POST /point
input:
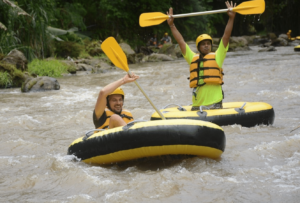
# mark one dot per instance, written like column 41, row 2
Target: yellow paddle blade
column 250, row 7
column 154, row 18
column 115, row 53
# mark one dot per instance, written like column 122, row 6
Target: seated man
column 166, row 39
column 108, row 111
column 153, row 41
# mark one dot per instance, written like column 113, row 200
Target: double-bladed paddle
column 245, row 8
column 115, row 53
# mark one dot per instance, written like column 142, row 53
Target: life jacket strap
column 125, row 116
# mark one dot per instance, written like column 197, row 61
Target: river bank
column 16, row 72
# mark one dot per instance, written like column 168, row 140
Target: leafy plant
column 5, row 79
column 65, row 49
column 51, row 68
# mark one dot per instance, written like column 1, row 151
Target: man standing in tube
column 206, row 73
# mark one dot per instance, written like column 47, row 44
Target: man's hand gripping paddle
column 115, row 53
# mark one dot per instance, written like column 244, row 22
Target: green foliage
column 93, row 48
column 84, row 54
column 1, row 56
column 71, row 37
column 51, row 68
column 71, row 69
column 25, row 24
column 16, row 76
column 65, row 49
column 69, row 15
column 5, row 79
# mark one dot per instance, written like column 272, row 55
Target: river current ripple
column 260, row 164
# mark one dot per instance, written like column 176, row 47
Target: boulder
column 83, row 67
column 93, row 65
column 242, row 48
column 280, row 42
column 14, row 77
column 216, row 41
column 135, row 58
column 126, row 48
column 250, row 39
column 272, row 36
column 146, row 50
column 170, row 49
column 284, row 36
column 157, row 57
column 94, row 48
column 16, row 58
column 192, row 46
column 44, row 83
column 240, row 41
column 260, row 40
column 266, row 44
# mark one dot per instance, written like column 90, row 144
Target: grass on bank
column 5, row 79
column 51, row 68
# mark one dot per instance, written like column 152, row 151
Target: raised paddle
column 115, row 53
column 245, row 8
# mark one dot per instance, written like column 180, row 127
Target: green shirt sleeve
column 189, row 54
column 221, row 53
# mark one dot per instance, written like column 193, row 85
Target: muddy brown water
column 260, row 164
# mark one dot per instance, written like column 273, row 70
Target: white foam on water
column 116, row 195
column 282, row 163
column 23, row 157
column 64, row 161
column 70, row 98
column 131, row 96
column 287, row 188
column 28, row 118
column 23, row 142
column 292, row 93
column 267, row 93
column 266, row 146
column 79, row 117
column 98, row 179
column 15, row 160
column 209, row 177
column 5, row 109
column 47, row 105
column 81, row 196
column 232, row 179
column 14, row 91
column 27, row 121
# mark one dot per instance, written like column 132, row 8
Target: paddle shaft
column 201, row 13
column 137, row 84
column 295, row 128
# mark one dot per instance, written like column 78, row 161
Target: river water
column 260, row 164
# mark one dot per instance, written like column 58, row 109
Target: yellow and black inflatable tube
column 297, row 48
column 151, row 138
column 252, row 114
